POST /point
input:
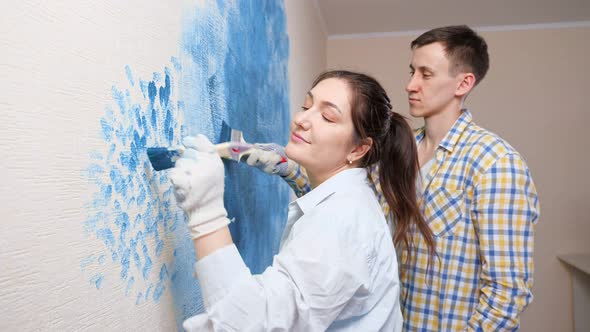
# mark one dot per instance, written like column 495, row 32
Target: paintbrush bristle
column 163, row 158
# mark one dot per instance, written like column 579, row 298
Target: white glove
column 197, row 323
column 271, row 159
column 198, row 186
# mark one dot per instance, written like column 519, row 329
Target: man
column 477, row 196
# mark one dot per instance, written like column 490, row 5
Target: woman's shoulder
column 354, row 205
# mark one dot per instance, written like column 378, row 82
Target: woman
column 337, row 268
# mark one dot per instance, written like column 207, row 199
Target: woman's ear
column 360, row 150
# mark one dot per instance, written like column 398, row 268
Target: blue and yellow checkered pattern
column 297, row 180
column 481, row 204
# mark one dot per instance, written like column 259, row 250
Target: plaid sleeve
column 505, row 210
column 296, row 178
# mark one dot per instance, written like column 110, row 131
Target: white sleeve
column 311, row 280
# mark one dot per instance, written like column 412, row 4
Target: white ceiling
column 343, row 17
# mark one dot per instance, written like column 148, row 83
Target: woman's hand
column 198, row 186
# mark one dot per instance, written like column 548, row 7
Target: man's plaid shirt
column 481, row 204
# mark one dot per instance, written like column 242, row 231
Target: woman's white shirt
column 336, row 269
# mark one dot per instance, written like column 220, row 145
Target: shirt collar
column 345, row 180
column 452, row 137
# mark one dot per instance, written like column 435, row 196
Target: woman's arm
column 309, row 284
column 207, row 244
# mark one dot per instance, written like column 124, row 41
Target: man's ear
column 465, row 85
column 360, row 150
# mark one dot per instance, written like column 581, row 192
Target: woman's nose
column 302, row 120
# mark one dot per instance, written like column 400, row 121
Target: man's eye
column 304, row 108
column 412, row 73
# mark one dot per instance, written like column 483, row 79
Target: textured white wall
column 59, row 61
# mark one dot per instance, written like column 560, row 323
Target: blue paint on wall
column 232, row 67
column 129, row 285
column 97, row 280
column 247, row 86
column 86, row 262
column 257, row 92
column 129, row 75
column 130, row 212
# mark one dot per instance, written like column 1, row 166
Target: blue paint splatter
column 86, row 261
column 107, row 130
column 147, row 292
column 147, row 266
column 158, row 291
column 95, row 155
column 159, row 247
column 132, row 206
column 161, row 285
column 94, row 171
column 106, row 235
column 97, row 280
column 129, row 285
column 176, row 63
column 164, row 94
column 129, row 75
column 124, row 263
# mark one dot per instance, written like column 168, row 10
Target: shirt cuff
column 218, row 271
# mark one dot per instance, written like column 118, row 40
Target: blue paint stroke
column 132, row 207
column 97, row 280
column 129, row 74
column 147, row 266
column 176, row 63
column 107, row 130
column 129, row 285
column 94, row 171
column 234, row 62
column 86, row 261
column 161, row 285
column 255, row 79
column 147, row 292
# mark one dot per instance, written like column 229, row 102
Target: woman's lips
column 297, row 138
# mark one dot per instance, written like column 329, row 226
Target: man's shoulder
column 483, row 149
column 479, row 141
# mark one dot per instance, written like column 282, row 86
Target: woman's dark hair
column 393, row 150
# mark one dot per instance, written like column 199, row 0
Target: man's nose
column 412, row 85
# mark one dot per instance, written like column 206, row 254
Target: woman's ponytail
column 398, row 171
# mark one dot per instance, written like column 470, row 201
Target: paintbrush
column 234, row 148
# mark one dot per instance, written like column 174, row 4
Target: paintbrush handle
column 233, row 150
